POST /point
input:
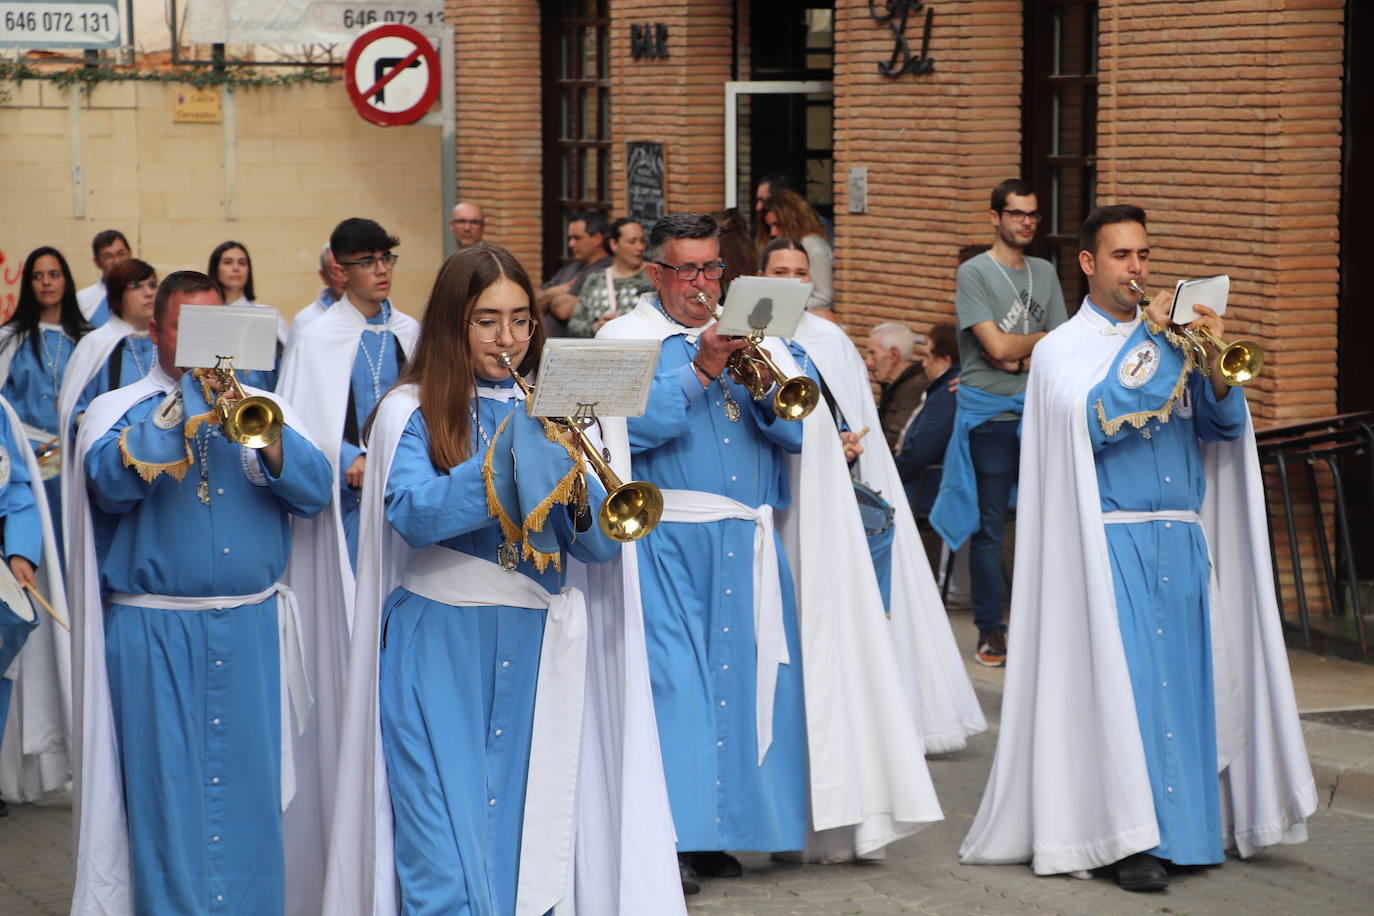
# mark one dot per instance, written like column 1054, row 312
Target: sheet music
column 776, row 303
column 245, row 333
column 1209, row 291
column 608, row 377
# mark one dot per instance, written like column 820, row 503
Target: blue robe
column 23, row 536
column 196, row 694
column 130, row 360
column 382, row 349
column 456, row 736
column 1160, row 575
column 697, row 589
column 101, row 314
column 33, row 394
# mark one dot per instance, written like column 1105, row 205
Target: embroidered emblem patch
column 4, row 467
column 1183, row 407
column 1140, row 365
column 168, row 414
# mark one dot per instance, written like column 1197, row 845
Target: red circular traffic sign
column 379, row 62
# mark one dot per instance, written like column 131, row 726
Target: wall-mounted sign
column 649, row 40
column 858, row 190
column 644, row 187
column 894, row 15
column 307, row 21
column 63, row 24
column 196, row 106
column 392, row 75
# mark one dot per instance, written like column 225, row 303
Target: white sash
column 461, row 580
column 770, row 639
column 290, row 653
column 1126, row 517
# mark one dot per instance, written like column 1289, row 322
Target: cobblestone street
column 1330, row 874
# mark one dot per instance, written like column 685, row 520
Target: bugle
column 630, row 510
column 1240, row 362
column 255, row 422
column 796, row 396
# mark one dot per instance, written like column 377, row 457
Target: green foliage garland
column 233, row 76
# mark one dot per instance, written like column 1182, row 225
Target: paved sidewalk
column 1330, row 874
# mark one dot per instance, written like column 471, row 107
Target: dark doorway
column 577, row 118
column 1059, row 129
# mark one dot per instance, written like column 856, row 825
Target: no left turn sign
column 392, row 74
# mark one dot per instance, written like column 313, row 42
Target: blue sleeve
column 23, row 526
column 115, row 488
column 665, row 417
column 690, row 382
column 1217, row 421
column 926, row 439
column 426, row 505
column 592, row 545
column 306, row 483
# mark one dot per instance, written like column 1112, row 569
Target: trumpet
column 1240, row 362
column 255, row 422
column 630, row 510
column 796, row 396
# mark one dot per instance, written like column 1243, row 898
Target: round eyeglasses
column 489, row 329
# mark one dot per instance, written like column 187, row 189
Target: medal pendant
column 508, row 556
column 606, row 454
column 203, row 492
column 732, row 412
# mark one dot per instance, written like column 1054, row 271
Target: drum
column 877, row 513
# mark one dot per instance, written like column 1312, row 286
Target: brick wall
column 500, row 133
column 678, row 101
column 934, row 146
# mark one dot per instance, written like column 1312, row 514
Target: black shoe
column 1141, row 872
column 716, row 865
column 690, row 884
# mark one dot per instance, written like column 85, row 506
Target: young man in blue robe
column 729, row 705
column 185, row 678
column 1133, row 676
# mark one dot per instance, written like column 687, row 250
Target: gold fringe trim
column 1140, row 418
column 509, row 530
column 194, row 423
column 151, row 470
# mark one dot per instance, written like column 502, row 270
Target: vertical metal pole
column 1348, row 550
column 78, row 153
column 231, row 155
column 1293, row 549
column 448, row 132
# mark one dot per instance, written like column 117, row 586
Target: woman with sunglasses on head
column 35, row 347
column 788, row 215
column 232, row 270
column 471, row 646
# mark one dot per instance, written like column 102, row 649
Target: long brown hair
column 442, row 366
column 796, row 219
column 736, row 247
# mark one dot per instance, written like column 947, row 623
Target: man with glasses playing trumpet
column 186, row 646
column 1151, row 718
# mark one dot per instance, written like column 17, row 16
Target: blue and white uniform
column 23, row 537
column 192, row 652
column 375, row 369
column 33, row 383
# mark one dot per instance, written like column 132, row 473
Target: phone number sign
column 59, row 24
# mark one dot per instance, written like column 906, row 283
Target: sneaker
column 992, row 649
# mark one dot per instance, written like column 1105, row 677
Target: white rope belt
column 1124, row 517
column 770, row 638
column 462, row 580
column 290, row 651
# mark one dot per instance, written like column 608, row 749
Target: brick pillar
column 500, row 131
column 678, row 102
column 1225, row 124
column 934, row 145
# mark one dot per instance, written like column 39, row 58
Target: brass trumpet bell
column 630, row 511
column 254, row 422
column 1240, row 361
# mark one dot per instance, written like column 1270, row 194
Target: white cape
column 315, row 376
column 36, row 755
column 1069, row 789
column 623, row 848
column 101, row 824
column 868, row 777
column 928, row 657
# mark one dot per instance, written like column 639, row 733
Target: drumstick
column 863, row 432
column 48, row 607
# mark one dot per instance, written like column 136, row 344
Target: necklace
column 477, row 421
column 375, row 369
column 507, row 552
column 131, row 346
column 51, row 359
column 1016, row 293
column 732, row 409
column 203, row 448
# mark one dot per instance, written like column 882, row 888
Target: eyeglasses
column 489, row 329
column 370, row 263
column 1022, row 216
column 149, row 284
column 688, row 272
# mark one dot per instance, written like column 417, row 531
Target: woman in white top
column 788, row 215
